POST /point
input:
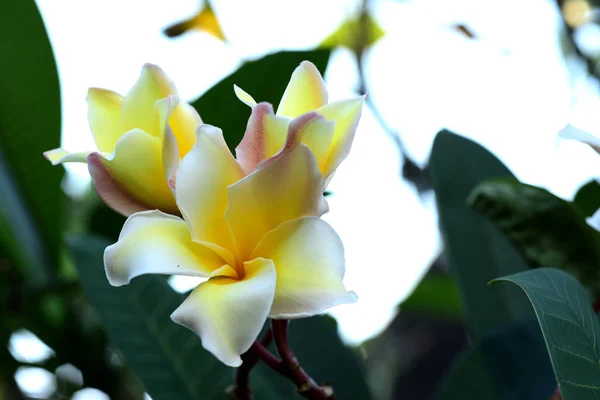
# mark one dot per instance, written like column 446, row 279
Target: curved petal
column 109, row 190
column 305, row 92
column 184, row 121
column 60, row 155
column 346, row 114
column 309, row 260
column 265, row 136
column 201, row 188
column 243, row 96
column 290, row 186
column 104, row 108
column 137, row 167
column 153, row 242
column 228, row 314
column 314, row 131
column 136, row 109
column 594, row 220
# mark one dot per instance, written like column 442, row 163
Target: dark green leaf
column 169, row 359
column 436, row 294
column 29, row 125
column 477, row 251
column 570, row 327
column 587, row 199
column 265, row 79
column 511, row 364
column 547, row 229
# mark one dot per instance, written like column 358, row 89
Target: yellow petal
column 109, row 190
column 228, row 314
column 243, row 96
column 152, row 242
column 137, row 107
column 309, row 261
column 351, row 30
column 104, row 109
column 201, row 188
column 345, row 114
column 137, row 167
column 314, row 131
column 60, row 155
column 289, row 187
column 305, row 92
column 184, row 121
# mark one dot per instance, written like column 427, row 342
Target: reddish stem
column 241, row 389
column 307, row 387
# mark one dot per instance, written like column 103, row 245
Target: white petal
column 228, row 314
column 309, row 260
column 153, row 242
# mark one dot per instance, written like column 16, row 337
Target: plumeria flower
column 257, row 238
column 140, row 139
column 332, row 125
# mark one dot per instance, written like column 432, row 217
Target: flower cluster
column 250, row 224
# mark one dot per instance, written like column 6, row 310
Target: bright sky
column 510, row 90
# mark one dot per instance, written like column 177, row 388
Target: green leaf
column 265, row 79
column 547, row 229
column 170, row 360
column 587, row 199
column 436, row 294
column 511, row 364
column 570, row 327
column 29, row 125
column 477, row 251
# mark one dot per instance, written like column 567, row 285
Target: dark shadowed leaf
column 587, row 199
column 570, row 327
column 476, row 250
column 511, row 364
column 265, row 79
column 547, row 229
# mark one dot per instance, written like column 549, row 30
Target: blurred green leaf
column 477, row 251
column 349, row 33
column 435, row 294
column 511, row 364
column 30, row 124
column 170, row 360
column 547, row 229
column 265, row 79
column 570, row 327
column 587, row 199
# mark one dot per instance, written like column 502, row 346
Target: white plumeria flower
column 258, row 238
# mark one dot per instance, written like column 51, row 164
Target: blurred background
column 508, row 74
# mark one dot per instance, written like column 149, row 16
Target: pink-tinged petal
column 201, row 188
column 104, row 109
column 309, row 260
column 60, row 155
column 265, row 136
column 109, row 190
column 136, row 167
column 153, row 242
column 243, row 96
column 228, row 314
column 571, row 132
column 305, row 92
column 345, row 114
column 137, row 107
column 288, row 187
column 314, row 131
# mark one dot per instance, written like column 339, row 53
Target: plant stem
column 241, row 390
column 291, row 368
